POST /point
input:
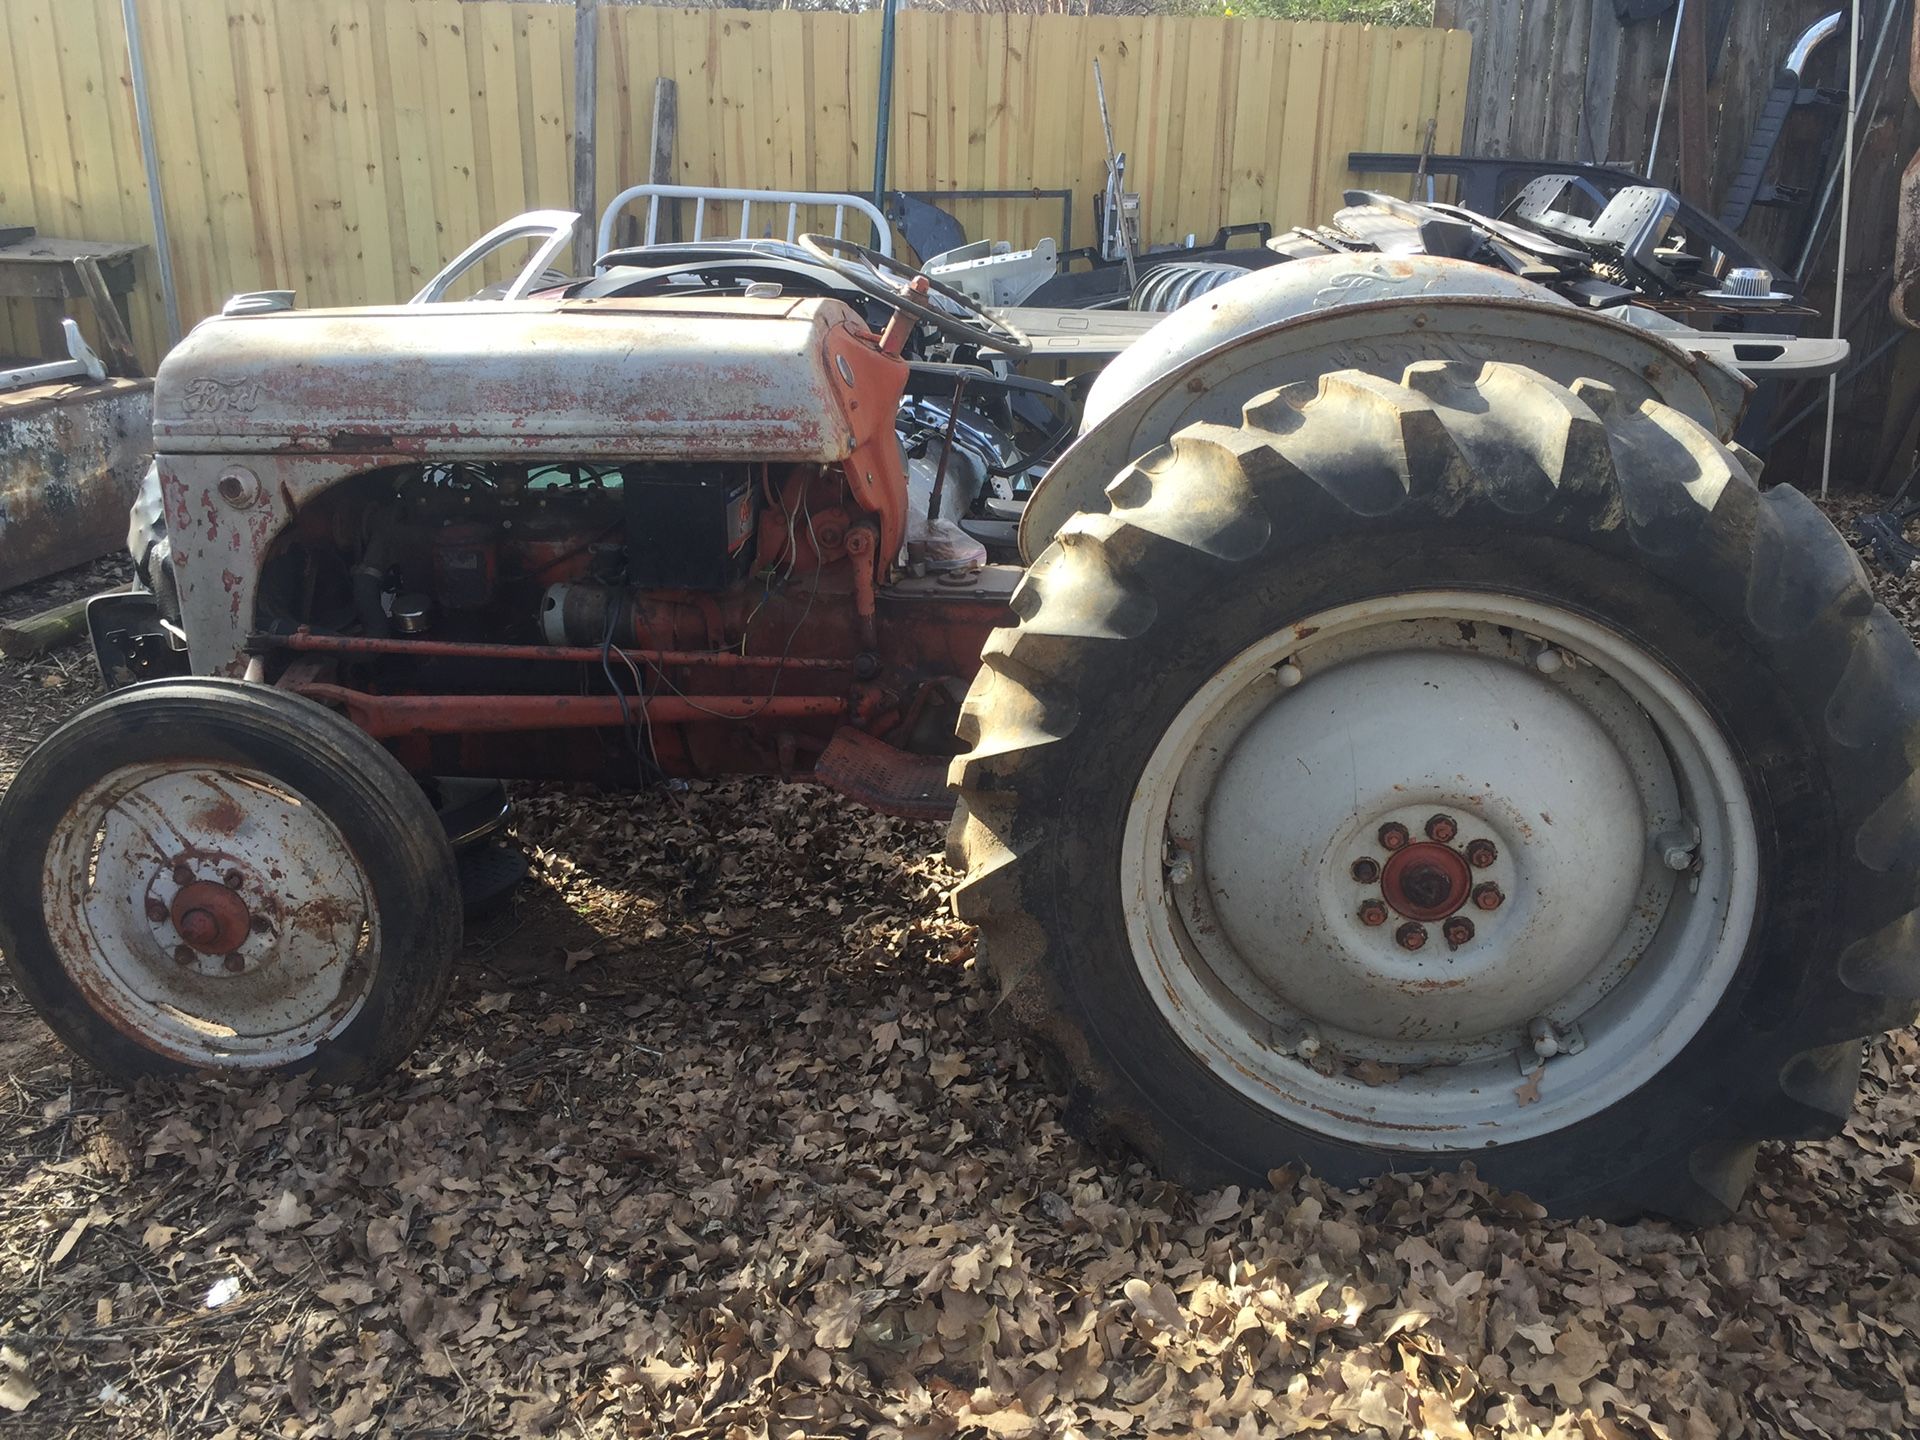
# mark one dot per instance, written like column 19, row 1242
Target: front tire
column 206, row 875
column 1194, row 820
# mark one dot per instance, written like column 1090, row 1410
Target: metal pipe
column 1666, row 83
column 884, row 124
column 150, row 159
column 308, row 642
column 385, row 716
column 1846, row 215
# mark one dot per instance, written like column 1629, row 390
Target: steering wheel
column 892, row 281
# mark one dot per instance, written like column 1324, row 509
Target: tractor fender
column 1375, row 313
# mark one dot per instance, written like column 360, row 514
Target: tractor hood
column 713, row 379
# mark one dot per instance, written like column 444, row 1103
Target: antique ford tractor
column 1413, row 738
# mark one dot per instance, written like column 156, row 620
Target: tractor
column 1412, row 737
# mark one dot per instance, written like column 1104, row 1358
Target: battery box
column 689, row 527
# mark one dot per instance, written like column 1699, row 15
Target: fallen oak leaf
column 17, row 1390
column 284, row 1212
column 1577, row 1356
column 1529, row 1092
column 1155, row 1303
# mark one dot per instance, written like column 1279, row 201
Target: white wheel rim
column 213, row 915
column 1586, row 763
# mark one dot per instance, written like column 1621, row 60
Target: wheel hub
column 1365, row 754
column 1426, row 881
column 211, row 918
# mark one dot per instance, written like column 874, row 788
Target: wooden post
column 1690, row 104
column 666, row 124
column 586, row 76
column 1602, row 81
column 29, row 635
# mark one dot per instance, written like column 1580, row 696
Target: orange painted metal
column 368, row 645
column 388, row 716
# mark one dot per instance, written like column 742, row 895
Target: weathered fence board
column 346, row 148
column 1564, row 80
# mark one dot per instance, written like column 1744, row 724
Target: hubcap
column 1364, row 897
column 215, row 916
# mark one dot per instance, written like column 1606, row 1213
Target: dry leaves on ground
column 720, row 1136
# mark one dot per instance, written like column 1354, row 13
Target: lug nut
column 1372, row 912
column 235, row 962
column 1393, row 835
column 233, row 879
column 1442, row 828
column 260, row 924
column 1545, row 1039
column 1410, row 936
column 1366, row 871
column 184, row 955
column 156, row 910
column 183, row 874
column 1458, row 930
column 1481, row 854
column 1488, row 896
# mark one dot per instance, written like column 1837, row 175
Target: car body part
column 71, row 455
column 993, row 273
column 551, row 229
column 1416, row 739
column 1790, row 92
column 929, row 229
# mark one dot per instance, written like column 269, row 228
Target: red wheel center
column 1426, row 881
column 211, row 918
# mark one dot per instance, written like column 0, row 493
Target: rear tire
column 1207, row 987
column 207, row 875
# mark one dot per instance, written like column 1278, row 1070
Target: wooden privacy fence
column 347, row 148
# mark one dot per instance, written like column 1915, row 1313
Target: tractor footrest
column 884, row 777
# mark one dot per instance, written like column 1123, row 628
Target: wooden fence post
column 586, row 77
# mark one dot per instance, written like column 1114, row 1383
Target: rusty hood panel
column 716, row 379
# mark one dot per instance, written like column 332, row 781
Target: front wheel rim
column 1439, row 871
column 211, row 914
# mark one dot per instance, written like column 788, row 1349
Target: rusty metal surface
column 385, row 716
column 885, row 778
column 70, row 461
column 240, row 938
column 639, row 379
column 1905, row 300
column 309, row 642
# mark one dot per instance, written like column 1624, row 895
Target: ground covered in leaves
column 719, row 1137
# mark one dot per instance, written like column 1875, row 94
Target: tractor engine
column 723, row 615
